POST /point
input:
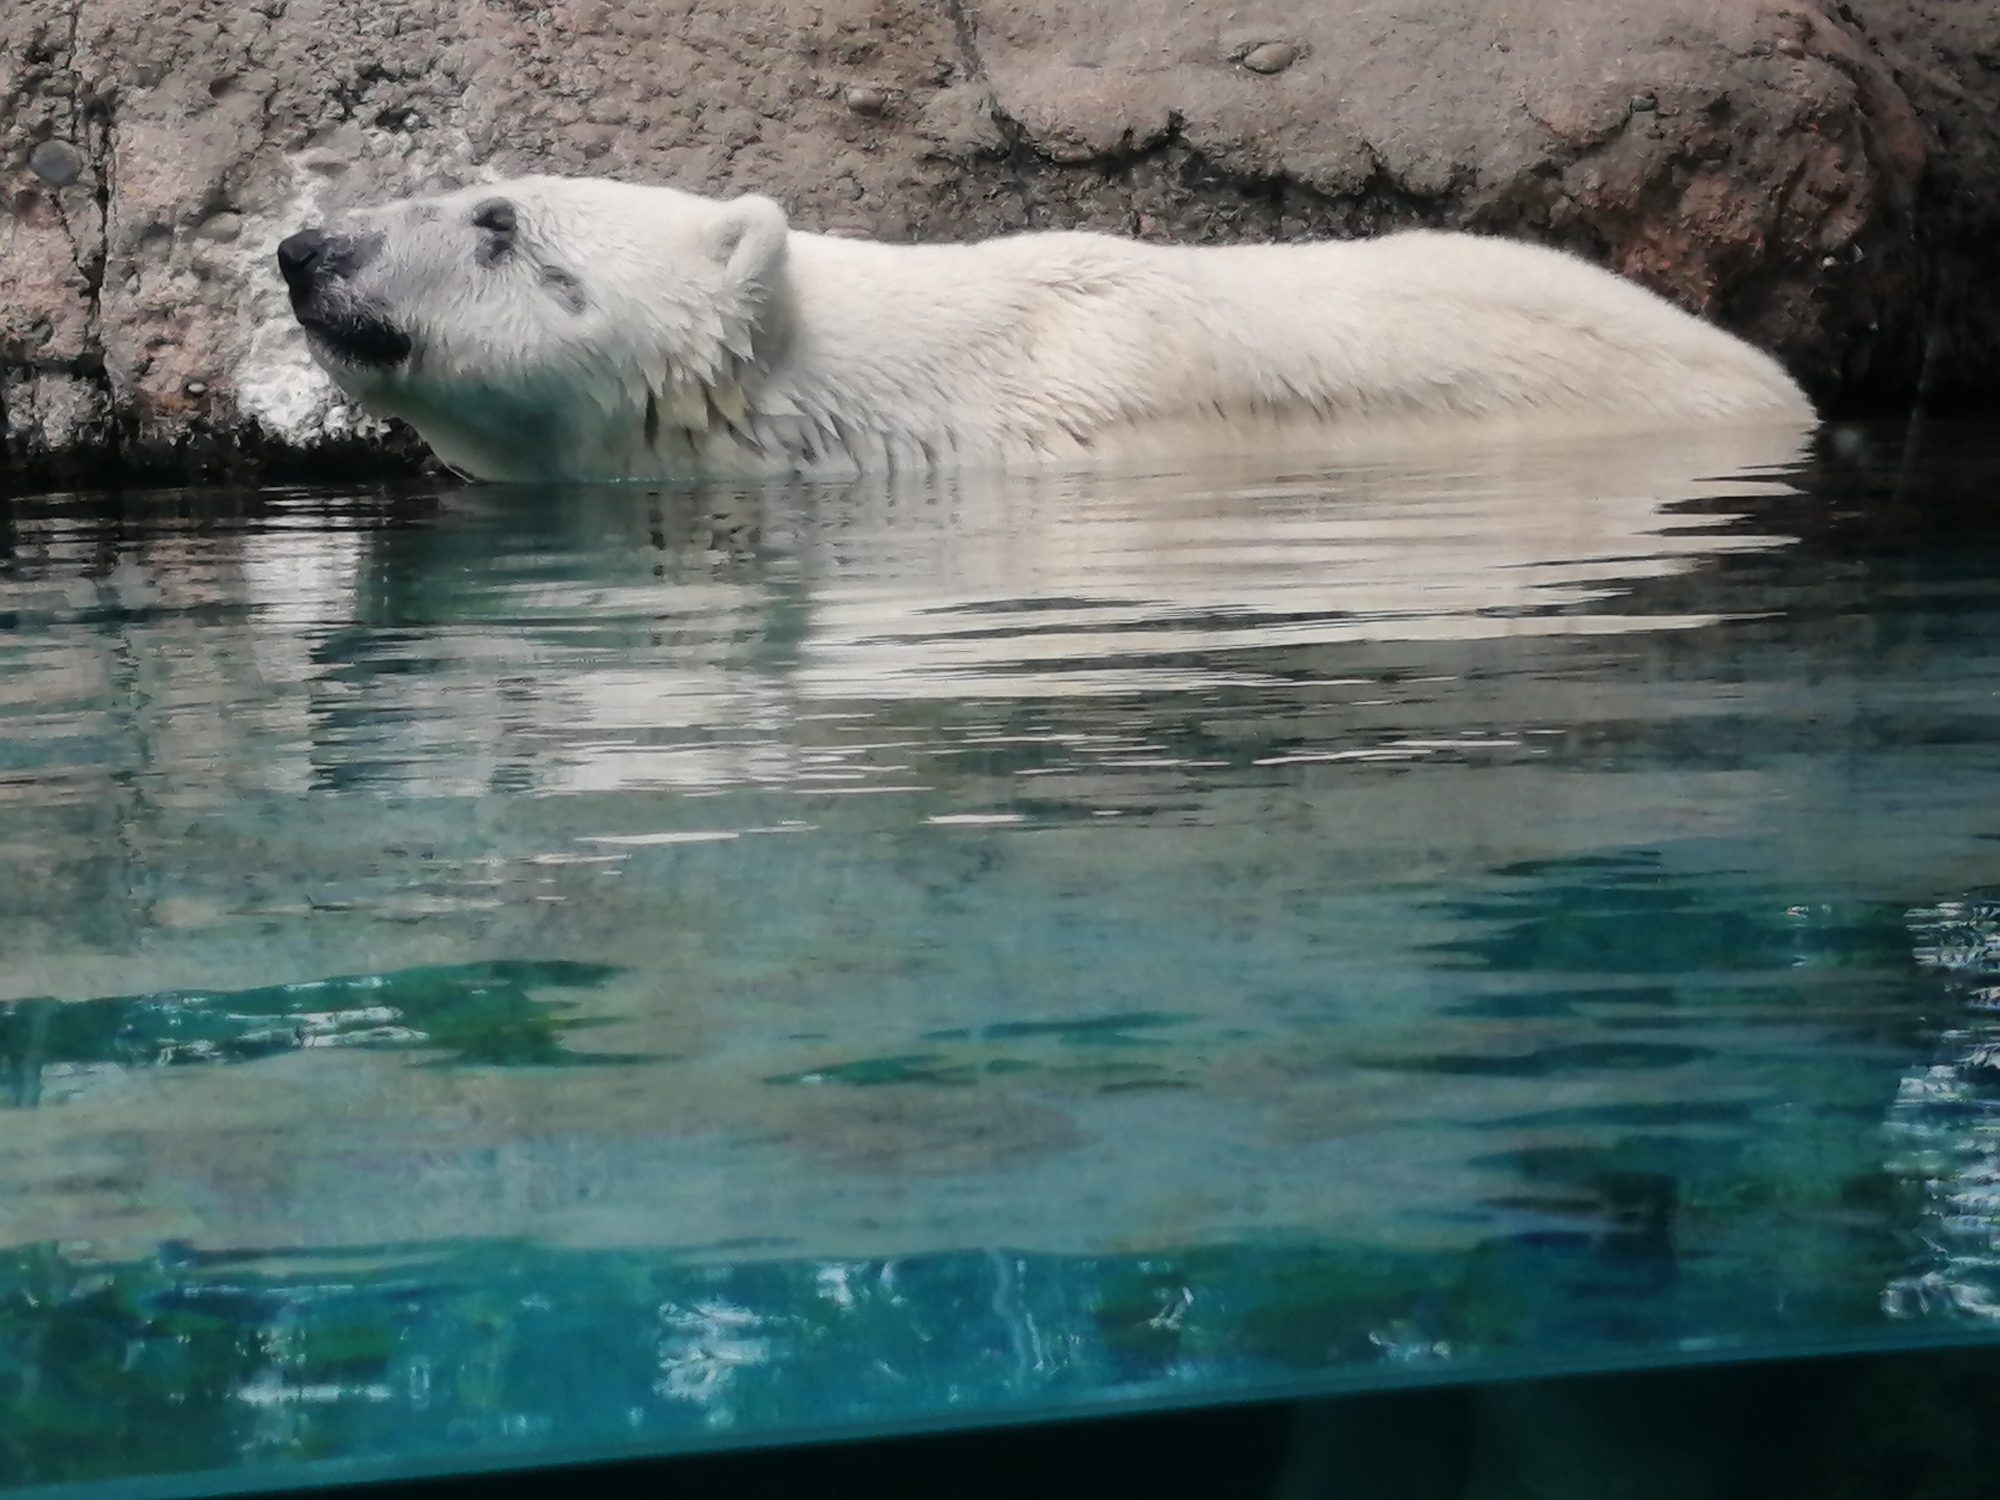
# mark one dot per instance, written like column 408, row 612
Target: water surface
column 491, row 975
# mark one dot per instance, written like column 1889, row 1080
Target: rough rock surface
column 1823, row 177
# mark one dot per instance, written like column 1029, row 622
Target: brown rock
column 223, row 227
column 1944, row 58
column 57, row 163
column 1270, row 57
column 1824, row 178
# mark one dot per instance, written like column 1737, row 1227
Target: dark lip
column 355, row 338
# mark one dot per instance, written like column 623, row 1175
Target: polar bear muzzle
column 319, row 269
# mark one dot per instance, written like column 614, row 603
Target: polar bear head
column 517, row 325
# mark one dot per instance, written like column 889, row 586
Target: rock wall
column 1822, row 177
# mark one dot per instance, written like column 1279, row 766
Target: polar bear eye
column 496, row 221
column 495, row 215
column 566, row 289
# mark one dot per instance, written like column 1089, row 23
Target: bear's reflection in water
column 738, row 744
column 1024, row 585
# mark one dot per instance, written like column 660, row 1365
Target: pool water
column 498, row 975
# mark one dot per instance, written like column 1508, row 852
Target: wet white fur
column 762, row 349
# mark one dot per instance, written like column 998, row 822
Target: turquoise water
column 490, row 976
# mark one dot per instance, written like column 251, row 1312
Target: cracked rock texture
column 1823, row 177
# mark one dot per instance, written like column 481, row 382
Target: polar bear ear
column 749, row 240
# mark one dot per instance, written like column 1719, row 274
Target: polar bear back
column 1051, row 341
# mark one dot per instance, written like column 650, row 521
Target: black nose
column 298, row 256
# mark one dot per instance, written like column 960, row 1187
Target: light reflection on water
column 812, row 958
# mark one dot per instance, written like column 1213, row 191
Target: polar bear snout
column 312, row 255
column 299, row 256
column 319, row 267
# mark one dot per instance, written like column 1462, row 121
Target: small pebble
column 224, row 226
column 1271, row 57
column 195, row 388
column 57, row 163
column 1643, row 104
column 864, row 99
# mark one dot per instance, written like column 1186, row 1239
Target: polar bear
column 552, row 328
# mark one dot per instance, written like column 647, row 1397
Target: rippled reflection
column 508, row 969
column 1945, row 1120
